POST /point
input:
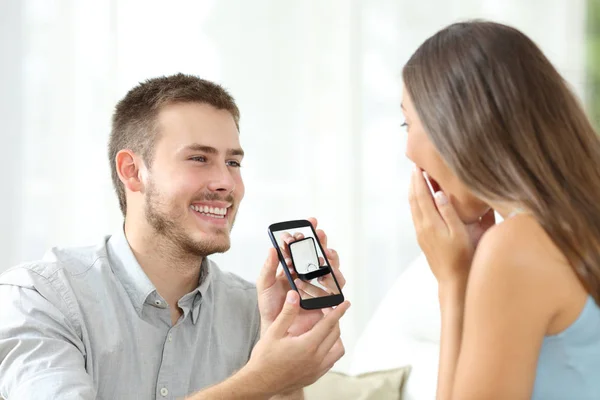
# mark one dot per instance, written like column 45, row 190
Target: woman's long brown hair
column 510, row 128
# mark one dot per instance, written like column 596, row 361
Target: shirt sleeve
column 41, row 355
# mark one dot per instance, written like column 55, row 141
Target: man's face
column 194, row 185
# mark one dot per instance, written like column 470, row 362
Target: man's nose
column 221, row 180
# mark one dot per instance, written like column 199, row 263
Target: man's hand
column 281, row 364
column 296, row 347
column 272, row 288
column 284, row 362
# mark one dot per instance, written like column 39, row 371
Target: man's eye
column 198, row 158
column 233, row 163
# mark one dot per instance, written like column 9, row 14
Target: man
column 145, row 314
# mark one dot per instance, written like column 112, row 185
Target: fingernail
column 290, row 298
column 288, row 260
column 440, row 198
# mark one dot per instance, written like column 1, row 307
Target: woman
column 493, row 126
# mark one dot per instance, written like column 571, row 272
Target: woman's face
column 421, row 151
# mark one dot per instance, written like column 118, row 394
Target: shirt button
column 164, row 392
column 170, row 337
column 157, row 302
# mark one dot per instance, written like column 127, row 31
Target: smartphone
column 310, row 274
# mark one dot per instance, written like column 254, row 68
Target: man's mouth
column 211, row 210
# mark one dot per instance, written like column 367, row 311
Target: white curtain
column 318, row 83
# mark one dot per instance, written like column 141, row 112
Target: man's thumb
column 446, row 210
column 288, row 313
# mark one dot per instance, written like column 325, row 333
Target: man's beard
column 170, row 226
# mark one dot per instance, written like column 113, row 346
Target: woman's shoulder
column 521, row 242
column 519, row 253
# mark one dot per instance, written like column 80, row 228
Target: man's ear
column 130, row 169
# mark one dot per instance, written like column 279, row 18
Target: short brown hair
column 134, row 119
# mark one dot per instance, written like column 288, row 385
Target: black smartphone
column 311, row 276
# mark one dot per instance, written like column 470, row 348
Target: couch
column 399, row 348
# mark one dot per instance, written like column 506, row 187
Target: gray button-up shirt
column 87, row 323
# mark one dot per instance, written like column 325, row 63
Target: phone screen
column 307, row 265
column 305, row 257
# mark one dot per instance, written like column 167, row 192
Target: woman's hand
column 447, row 242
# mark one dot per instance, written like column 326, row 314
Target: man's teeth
column 211, row 211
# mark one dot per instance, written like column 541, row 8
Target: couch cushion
column 370, row 386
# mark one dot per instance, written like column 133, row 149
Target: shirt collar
column 129, row 272
column 191, row 301
column 139, row 287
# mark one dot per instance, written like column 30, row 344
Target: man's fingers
column 327, row 344
column 322, row 237
column 268, row 272
column 322, row 329
column 303, row 294
column 334, row 260
column 313, row 222
column 309, row 319
column 288, row 238
column 284, row 246
column 289, row 263
column 329, row 282
column 281, row 273
column 336, row 352
column 311, row 289
column 286, row 317
column 333, row 257
column 341, row 279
